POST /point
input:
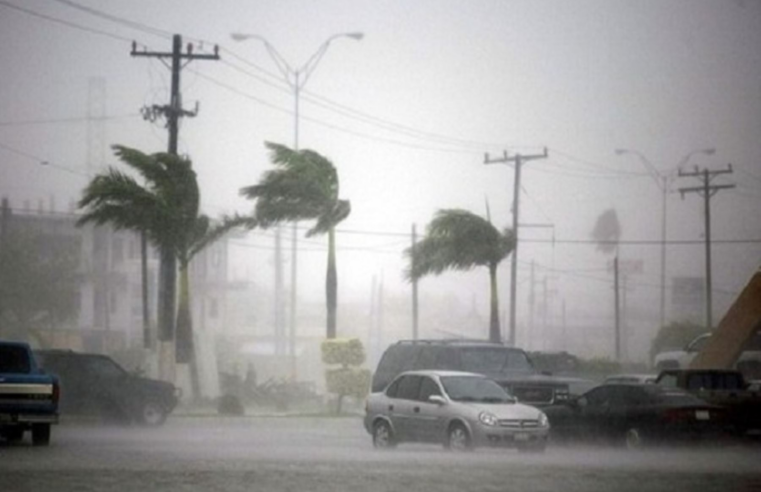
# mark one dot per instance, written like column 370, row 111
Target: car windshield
column 475, row 389
column 499, row 360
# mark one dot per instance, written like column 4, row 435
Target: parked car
column 28, row 396
column 460, row 410
column 510, row 367
column 726, row 388
column 94, row 384
column 632, row 415
column 749, row 360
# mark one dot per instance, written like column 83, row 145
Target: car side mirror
column 437, row 399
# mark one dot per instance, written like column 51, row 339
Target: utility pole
column 415, row 311
column 519, row 160
column 707, row 190
column 617, row 310
column 172, row 112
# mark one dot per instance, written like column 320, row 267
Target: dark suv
column 508, row 366
column 94, row 384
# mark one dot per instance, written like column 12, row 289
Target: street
column 335, row 454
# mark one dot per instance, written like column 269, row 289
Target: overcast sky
column 406, row 115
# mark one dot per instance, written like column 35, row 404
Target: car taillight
column 56, row 393
column 679, row 415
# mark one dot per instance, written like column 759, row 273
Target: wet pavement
column 335, row 454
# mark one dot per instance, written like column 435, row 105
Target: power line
column 116, row 19
column 40, row 161
column 63, row 22
column 73, row 119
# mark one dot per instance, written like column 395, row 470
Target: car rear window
column 14, row 360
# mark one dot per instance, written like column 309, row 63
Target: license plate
column 702, row 415
column 521, row 437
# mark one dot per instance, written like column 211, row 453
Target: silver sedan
column 460, row 410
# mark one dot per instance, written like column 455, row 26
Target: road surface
column 335, row 454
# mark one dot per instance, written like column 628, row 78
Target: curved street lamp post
column 296, row 80
column 662, row 181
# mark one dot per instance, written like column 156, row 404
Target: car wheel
column 633, row 439
column 458, row 438
column 41, row 434
column 152, row 414
column 383, row 437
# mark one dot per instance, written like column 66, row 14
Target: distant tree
column 349, row 379
column 675, row 336
column 607, row 231
column 40, row 283
column 461, row 240
column 303, row 187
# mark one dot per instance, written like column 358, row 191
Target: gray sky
column 407, row 114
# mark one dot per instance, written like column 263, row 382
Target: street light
column 662, row 181
column 296, row 80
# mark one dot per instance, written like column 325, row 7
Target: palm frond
column 332, row 218
column 457, row 240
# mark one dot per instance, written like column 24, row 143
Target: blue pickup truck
column 28, row 396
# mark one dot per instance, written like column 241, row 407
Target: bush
column 347, row 380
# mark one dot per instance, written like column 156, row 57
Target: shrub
column 349, row 379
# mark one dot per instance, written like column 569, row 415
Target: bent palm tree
column 303, row 187
column 167, row 210
column 460, row 240
column 118, row 199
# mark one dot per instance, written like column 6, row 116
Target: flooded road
column 335, row 454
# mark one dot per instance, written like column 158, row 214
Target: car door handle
column 391, row 408
column 416, row 409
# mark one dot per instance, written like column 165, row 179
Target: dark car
column 510, row 367
column 94, row 384
column 635, row 414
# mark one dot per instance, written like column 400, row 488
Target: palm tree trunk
column 494, row 331
column 331, row 284
column 166, row 308
column 147, row 341
column 185, row 346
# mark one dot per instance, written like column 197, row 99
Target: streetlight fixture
column 662, row 181
column 296, row 80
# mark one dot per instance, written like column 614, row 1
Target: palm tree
column 460, row 240
column 166, row 209
column 118, row 199
column 303, row 187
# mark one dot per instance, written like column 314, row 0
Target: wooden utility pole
column 172, row 112
column 519, row 160
column 707, row 190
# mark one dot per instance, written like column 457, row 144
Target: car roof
column 442, row 373
column 625, row 377
column 456, row 342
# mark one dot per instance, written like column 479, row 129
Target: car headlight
column 487, row 418
column 543, row 420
